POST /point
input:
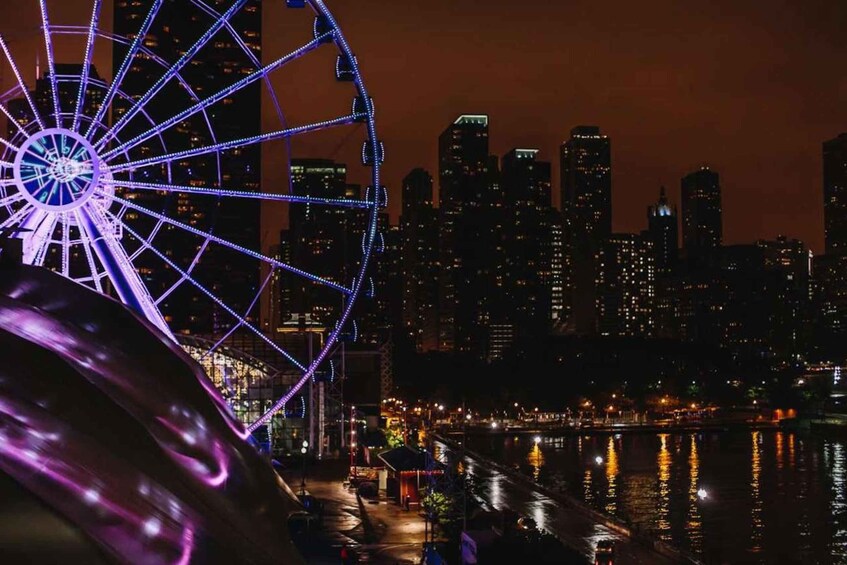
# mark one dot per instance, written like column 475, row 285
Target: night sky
column 751, row 88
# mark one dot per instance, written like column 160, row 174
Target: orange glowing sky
column 751, row 88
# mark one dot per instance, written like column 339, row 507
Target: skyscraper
column 790, row 265
column 528, row 243
column 663, row 231
column 625, row 286
column 586, row 192
column 702, row 224
column 469, row 196
column 586, row 181
column 231, row 276
column 835, row 194
column 43, row 96
column 419, row 233
column 830, row 303
column 463, row 161
column 320, row 240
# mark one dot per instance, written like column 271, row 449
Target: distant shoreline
column 688, row 427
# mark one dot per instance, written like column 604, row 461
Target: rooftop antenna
column 37, row 64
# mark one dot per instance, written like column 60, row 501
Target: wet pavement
column 377, row 531
column 577, row 529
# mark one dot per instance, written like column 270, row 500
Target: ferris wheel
column 112, row 185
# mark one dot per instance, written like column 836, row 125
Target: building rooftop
column 405, row 458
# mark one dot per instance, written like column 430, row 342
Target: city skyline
column 720, row 108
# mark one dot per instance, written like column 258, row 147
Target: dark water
column 772, row 497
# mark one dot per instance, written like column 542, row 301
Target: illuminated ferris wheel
column 122, row 188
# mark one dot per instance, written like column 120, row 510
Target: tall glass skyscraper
column 702, row 223
column 586, row 182
column 468, row 192
column 663, row 231
column 419, row 229
column 835, row 194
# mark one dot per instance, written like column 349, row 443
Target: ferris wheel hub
column 57, row 170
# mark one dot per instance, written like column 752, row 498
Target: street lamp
column 598, row 460
column 303, row 451
column 353, row 441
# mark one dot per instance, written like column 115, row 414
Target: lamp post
column 303, row 451
column 353, row 440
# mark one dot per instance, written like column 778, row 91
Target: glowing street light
column 303, row 450
column 702, row 494
column 598, row 460
column 493, row 425
column 537, row 440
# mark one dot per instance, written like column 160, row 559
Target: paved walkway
column 380, row 531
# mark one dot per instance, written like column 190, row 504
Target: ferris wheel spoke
column 235, row 247
column 213, row 99
column 10, row 145
column 21, row 84
column 209, row 294
column 222, row 192
column 189, row 270
column 11, row 199
column 16, row 218
column 13, row 121
column 118, row 79
column 66, row 244
column 86, row 63
column 235, row 327
column 51, row 63
column 234, row 144
column 173, row 71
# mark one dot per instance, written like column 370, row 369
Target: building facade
column 835, row 194
column 702, row 215
column 586, row 181
column 419, row 244
column 625, row 278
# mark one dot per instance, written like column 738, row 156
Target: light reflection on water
column 694, row 524
column 612, row 477
column 663, row 525
column 755, row 493
column 772, row 496
column 536, row 461
column 837, row 505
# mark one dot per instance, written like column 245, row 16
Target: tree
column 393, row 437
column 438, row 506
